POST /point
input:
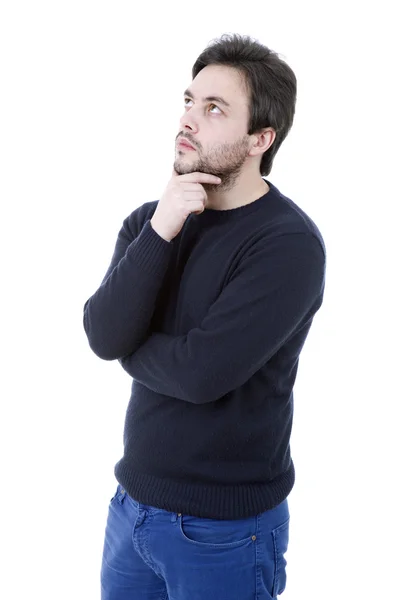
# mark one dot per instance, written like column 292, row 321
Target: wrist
column 159, row 231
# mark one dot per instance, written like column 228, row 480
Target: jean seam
column 149, row 560
column 275, row 533
column 258, row 559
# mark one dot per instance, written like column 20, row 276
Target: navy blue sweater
column 210, row 327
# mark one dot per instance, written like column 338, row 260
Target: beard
column 223, row 160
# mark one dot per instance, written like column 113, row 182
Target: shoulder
column 282, row 241
column 288, row 219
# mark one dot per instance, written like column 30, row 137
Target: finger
column 196, row 207
column 195, row 195
column 200, row 178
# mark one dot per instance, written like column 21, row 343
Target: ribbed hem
column 207, row 501
column 152, row 252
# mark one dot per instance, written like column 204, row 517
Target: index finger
column 198, row 177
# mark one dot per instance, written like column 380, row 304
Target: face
column 215, row 120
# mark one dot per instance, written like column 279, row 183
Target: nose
column 188, row 123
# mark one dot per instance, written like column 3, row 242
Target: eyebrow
column 189, row 94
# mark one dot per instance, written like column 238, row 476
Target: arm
column 117, row 316
column 273, row 291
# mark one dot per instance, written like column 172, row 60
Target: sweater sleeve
column 274, row 290
column 117, row 316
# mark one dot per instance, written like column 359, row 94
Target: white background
column 91, row 94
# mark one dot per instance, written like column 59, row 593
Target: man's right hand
column 183, row 195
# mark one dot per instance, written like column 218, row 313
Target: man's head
column 237, row 111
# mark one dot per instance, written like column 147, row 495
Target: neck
column 243, row 192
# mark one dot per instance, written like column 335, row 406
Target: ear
column 263, row 140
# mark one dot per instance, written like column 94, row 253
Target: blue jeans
column 152, row 554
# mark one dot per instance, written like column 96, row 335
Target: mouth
column 185, row 144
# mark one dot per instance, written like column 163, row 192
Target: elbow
column 109, row 349
column 101, row 348
column 102, row 351
column 99, row 341
column 200, row 392
column 200, row 389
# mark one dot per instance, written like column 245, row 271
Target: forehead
column 222, row 81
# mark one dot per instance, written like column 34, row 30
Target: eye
column 186, row 100
column 215, row 106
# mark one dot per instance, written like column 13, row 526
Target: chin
column 184, row 169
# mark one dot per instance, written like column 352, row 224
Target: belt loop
column 121, row 495
column 175, row 516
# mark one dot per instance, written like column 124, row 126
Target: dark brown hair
column 271, row 84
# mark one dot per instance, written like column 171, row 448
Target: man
column 207, row 303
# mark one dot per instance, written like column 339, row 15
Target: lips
column 185, row 144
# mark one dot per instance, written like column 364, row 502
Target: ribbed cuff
column 152, row 252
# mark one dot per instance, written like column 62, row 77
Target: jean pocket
column 217, row 533
column 280, row 537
